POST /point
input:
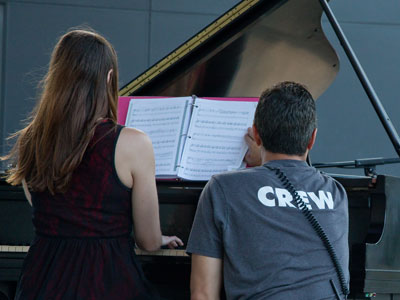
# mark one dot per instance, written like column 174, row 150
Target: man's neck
column 267, row 156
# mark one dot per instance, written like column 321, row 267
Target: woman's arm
column 136, row 168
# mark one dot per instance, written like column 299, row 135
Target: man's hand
column 171, row 241
column 253, row 155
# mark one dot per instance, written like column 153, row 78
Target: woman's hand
column 253, row 155
column 171, row 241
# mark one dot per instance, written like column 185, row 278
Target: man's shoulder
column 239, row 180
column 329, row 179
column 237, row 174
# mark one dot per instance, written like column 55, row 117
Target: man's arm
column 206, row 278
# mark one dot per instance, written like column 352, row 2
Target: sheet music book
column 193, row 138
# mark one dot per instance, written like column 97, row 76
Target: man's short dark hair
column 285, row 118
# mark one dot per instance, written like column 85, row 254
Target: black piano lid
column 251, row 47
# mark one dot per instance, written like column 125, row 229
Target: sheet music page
column 163, row 120
column 215, row 140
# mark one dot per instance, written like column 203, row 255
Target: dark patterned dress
column 83, row 247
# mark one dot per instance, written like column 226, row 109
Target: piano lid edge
column 266, row 43
column 197, row 40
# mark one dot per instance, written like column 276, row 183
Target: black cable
column 315, row 224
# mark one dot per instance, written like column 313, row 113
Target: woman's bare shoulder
column 134, row 145
column 134, row 138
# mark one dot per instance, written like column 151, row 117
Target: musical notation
column 161, row 120
column 216, row 141
column 193, row 138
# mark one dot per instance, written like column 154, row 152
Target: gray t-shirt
column 269, row 249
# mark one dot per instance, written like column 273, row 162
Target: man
column 249, row 232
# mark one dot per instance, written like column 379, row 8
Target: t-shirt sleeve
column 209, row 222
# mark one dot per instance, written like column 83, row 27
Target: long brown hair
column 75, row 96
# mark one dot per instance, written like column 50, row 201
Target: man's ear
column 312, row 139
column 257, row 138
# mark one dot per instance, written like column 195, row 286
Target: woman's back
column 83, row 248
column 96, row 203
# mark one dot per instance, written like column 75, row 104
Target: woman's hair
column 76, row 95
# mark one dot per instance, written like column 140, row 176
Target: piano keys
column 13, row 248
column 162, row 252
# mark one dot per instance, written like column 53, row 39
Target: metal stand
column 373, row 97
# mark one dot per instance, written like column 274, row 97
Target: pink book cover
column 123, row 103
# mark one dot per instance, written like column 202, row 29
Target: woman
column 88, row 179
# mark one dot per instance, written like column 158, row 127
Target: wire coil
column 315, row 225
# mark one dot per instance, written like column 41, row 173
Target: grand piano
column 252, row 46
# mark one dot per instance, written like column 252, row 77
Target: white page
column 163, row 121
column 216, row 142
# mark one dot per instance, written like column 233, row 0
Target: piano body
column 252, row 46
